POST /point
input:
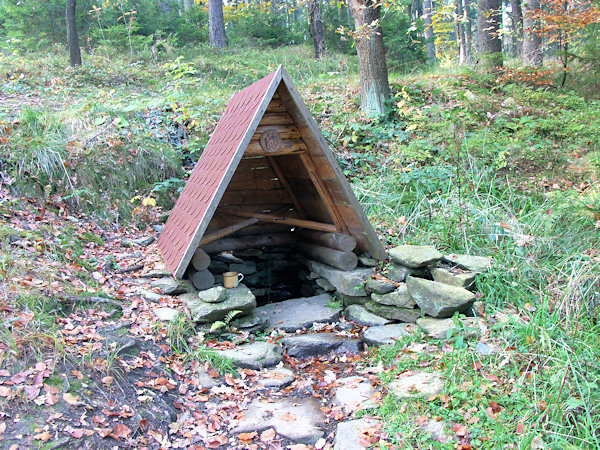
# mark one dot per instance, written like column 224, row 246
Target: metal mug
column 232, row 279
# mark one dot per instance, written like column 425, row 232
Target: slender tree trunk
column 216, row 24
column 468, row 33
column 316, row 27
column 517, row 23
column 489, row 22
column 461, row 33
column 429, row 37
column 72, row 38
column 188, row 4
column 532, row 39
column 374, row 84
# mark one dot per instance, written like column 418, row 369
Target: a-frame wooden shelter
column 266, row 161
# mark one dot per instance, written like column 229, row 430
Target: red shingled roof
column 222, row 153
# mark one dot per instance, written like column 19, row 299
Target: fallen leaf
column 71, row 399
column 216, row 441
column 107, row 380
column 77, row 374
column 247, row 436
column 45, row 436
column 77, row 433
column 288, row 417
column 460, row 430
column 299, row 447
column 520, row 428
column 4, row 391
column 320, row 444
column 121, row 430
column 267, row 435
column 2, row 427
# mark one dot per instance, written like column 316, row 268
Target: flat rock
column 217, row 267
column 324, row 284
column 407, row 315
column 255, row 356
column 173, row 286
column 453, row 278
column 388, row 334
column 354, row 394
column 298, row 313
column 374, row 286
column 305, row 428
column 360, row 315
column 347, row 434
column 149, row 295
column 246, row 268
column 352, row 299
column 415, row 256
column 439, row 431
column 473, row 263
column 156, row 274
column 167, row 314
column 349, row 282
column 276, row 378
column 415, row 384
column 145, row 241
column 399, row 273
column 213, row 295
column 437, row 299
column 239, row 298
column 314, row 344
column 206, row 381
column 443, row 328
column 366, row 261
column 249, row 322
column 399, row 297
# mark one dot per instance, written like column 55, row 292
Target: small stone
column 311, row 344
column 298, row 313
column 440, row 328
column 388, row 334
column 213, row 295
column 446, row 276
column 439, row 431
column 297, row 420
column 246, row 268
column 249, row 322
column 255, row 356
column 127, row 243
column 144, row 242
column 352, row 299
column 149, row 295
column 437, row 299
column 398, row 273
column 367, row 262
column 173, row 286
column 324, row 284
column 407, row 315
column 167, row 314
column 477, row 264
column 276, row 378
column 485, row 349
column 158, row 228
column 380, row 287
column 354, row 394
column 415, row 256
column 424, row 384
column 347, row 434
column 400, row 297
column 361, row 316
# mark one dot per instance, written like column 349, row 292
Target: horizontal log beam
column 338, row 241
column 247, row 242
column 288, row 147
column 329, row 256
column 226, row 231
column 310, row 224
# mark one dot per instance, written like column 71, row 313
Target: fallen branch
column 78, row 299
column 130, row 268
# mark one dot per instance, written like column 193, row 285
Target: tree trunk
column 72, row 38
column 429, row 38
column 489, row 22
column 517, row 23
column 216, row 24
column 316, row 27
column 461, row 34
column 532, row 39
column 188, row 4
column 374, row 85
column 467, row 21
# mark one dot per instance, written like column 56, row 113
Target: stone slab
column 298, row 313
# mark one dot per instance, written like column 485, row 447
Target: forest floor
column 499, row 166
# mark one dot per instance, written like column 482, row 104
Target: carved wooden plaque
column 270, row 141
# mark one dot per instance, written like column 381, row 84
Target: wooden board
column 286, row 131
column 288, row 146
column 276, row 118
column 254, row 197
